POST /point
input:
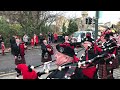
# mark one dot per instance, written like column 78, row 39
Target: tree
column 5, row 30
column 72, row 27
column 31, row 21
column 118, row 26
column 64, row 28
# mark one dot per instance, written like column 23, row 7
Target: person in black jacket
column 41, row 38
column 15, row 51
column 47, row 51
column 65, row 54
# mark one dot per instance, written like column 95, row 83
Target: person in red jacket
column 32, row 42
column 27, row 72
column 55, row 37
column 36, row 40
column 3, row 48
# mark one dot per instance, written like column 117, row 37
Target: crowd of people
column 98, row 61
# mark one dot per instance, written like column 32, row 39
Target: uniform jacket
column 25, row 72
column 46, row 55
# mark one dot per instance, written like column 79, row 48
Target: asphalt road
column 32, row 57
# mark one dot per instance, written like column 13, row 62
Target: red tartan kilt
column 104, row 71
column 115, row 63
column 22, row 61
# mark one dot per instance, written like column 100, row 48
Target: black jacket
column 14, row 48
column 61, row 74
column 1, row 39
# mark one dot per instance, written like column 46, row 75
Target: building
column 59, row 23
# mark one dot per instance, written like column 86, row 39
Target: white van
column 80, row 35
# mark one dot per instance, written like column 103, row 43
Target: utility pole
column 96, row 24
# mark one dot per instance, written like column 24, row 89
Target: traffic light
column 88, row 20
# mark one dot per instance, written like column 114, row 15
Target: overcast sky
column 113, row 16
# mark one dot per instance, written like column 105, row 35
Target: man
column 65, row 54
column 25, row 39
column 88, row 38
column 55, row 37
column 106, row 68
column 41, row 38
column 49, row 37
column 67, row 39
column 47, row 51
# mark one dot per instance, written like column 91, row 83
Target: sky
column 107, row 16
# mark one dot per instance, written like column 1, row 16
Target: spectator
column 52, row 37
column 55, row 37
column 1, row 40
column 3, row 48
column 41, row 38
column 36, row 40
column 25, row 39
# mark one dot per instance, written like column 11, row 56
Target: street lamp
column 96, row 24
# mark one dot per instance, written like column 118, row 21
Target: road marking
column 7, row 74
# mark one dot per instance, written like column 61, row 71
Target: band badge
column 61, row 49
column 19, row 57
column 46, row 56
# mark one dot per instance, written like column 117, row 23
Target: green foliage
column 118, row 27
column 64, row 28
column 72, row 27
column 4, row 30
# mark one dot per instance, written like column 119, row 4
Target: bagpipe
column 19, row 72
column 95, row 60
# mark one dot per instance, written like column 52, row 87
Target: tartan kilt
column 22, row 61
column 115, row 62
column 119, row 56
column 105, row 71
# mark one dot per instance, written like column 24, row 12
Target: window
column 76, row 34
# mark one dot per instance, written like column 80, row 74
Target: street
column 33, row 57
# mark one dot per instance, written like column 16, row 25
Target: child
column 47, row 51
column 3, row 48
column 32, row 42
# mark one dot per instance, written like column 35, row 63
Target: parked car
column 80, row 35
